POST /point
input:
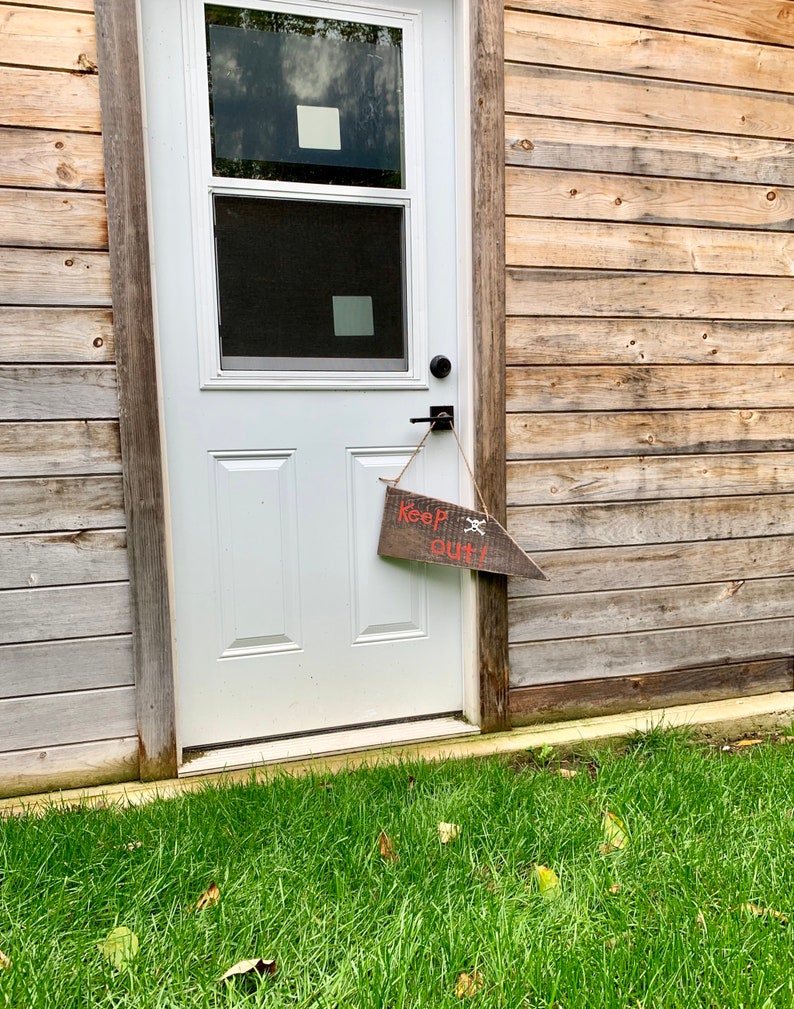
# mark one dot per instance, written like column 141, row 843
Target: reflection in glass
column 309, row 286
column 303, row 99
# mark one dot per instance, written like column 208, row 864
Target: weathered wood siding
column 650, row 349
column 67, row 708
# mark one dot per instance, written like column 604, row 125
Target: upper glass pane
column 304, row 99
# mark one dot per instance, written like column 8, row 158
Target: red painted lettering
column 482, row 556
column 441, row 516
column 408, row 512
column 455, row 556
column 402, row 515
column 437, row 546
column 469, row 549
column 427, row 518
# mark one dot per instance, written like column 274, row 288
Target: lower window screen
column 310, row 286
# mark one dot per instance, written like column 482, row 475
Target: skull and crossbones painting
column 475, row 526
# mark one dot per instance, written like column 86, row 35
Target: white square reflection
column 318, row 128
column 353, row 316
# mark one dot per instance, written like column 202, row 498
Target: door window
column 314, row 215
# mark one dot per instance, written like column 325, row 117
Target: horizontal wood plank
column 49, row 99
column 541, row 142
column 69, row 5
column 625, row 567
column 642, row 478
column 595, row 245
column 648, row 652
column 50, row 391
column 60, row 40
column 636, row 101
column 672, row 55
column 606, row 293
column 576, row 527
column 61, row 503
column 48, row 159
column 29, row 217
column 586, row 614
column 57, row 335
column 80, row 765
column 759, row 21
column 59, row 448
column 654, row 387
column 552, row 702
column 550, row 341
column 594, row 196
column 76, row 717
column 46, row 277
column 97, row 555
column 674, row 432
column 57, row 666
column 49, row 614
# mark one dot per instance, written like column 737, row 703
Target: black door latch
column 441, row 418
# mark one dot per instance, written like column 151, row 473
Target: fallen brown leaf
column 747, row 742
column 210, row 896
column 258, row 966
column 614, row 889
column 486, row 875
column 387, row 848
column 765, row 912
column 567, row 772
column 5, row 962
column 468, row 985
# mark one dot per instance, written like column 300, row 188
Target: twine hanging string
column 417, row 450
column 470, row 471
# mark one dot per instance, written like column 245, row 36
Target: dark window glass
column 303, row 99
column 304, row 285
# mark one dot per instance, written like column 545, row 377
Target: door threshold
column 323, row 744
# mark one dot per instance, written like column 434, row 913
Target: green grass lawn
column 662, row 921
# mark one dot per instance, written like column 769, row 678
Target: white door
column 304, row 210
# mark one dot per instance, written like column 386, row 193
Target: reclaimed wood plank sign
column 419, row 528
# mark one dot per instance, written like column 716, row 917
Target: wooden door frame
column 486, row 40
column 139, row 409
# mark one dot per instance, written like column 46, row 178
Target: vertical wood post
column 488, row 224
column 133, row 315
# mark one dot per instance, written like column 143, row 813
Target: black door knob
column 440, row 366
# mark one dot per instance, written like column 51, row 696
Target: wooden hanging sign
column 419, row 528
